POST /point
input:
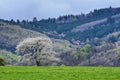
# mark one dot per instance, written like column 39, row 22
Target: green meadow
column 59, row 73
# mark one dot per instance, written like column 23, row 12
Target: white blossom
column 39, row 47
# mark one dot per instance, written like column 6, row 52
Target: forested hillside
column 63, row 27
column 11, row 35
column 85, row 39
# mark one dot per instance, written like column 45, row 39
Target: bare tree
column 40, row 48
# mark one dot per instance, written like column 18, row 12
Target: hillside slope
column 86, row 39
column 77, row 27
column 85, row 26
column 11, row 35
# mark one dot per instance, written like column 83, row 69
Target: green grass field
column 59, row 73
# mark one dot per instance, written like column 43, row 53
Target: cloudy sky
column 27, row 9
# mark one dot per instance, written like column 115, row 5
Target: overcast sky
column 27, row 9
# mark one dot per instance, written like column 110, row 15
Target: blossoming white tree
column 40, row 48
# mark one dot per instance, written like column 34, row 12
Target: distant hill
column 11, row 35
column 85, row 39
column 78, row 27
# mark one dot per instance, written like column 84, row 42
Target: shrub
column 2, row 62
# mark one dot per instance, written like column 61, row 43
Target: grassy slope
column 8, row 57
column 59, row 73
column 11, row 35
column 62, row 45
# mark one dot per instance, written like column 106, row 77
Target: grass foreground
column 59, row 73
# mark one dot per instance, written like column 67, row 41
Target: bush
column 10, row 58
column 2, row 62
